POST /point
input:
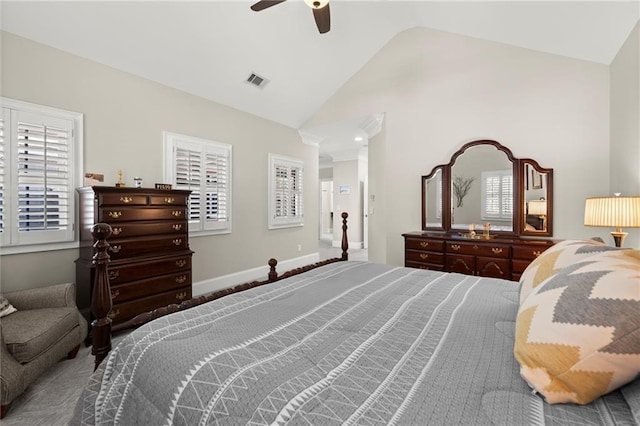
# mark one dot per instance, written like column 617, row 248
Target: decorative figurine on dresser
column 483, row 188
column 150, row 263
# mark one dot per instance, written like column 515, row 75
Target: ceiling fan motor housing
column 316, row 4
column 320, row 9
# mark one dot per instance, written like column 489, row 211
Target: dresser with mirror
column 482, row 212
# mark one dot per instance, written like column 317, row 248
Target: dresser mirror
column 537, row 195
column 432, row 199
column 482, row 189
column 484, row 183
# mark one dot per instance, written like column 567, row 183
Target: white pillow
column 6, row 308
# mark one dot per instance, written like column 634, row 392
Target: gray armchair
column 46, row 328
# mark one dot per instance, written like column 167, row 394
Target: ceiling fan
column 320, row 11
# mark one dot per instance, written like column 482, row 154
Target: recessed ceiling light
column 358, row 138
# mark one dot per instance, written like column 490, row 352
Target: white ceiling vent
column 256, row 80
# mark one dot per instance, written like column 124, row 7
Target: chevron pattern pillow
column 578, row 334
column 554, row 259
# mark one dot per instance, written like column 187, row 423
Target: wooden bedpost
column 273, row 275
column 345, row 240
column 101, row 295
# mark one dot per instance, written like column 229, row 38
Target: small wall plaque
column 163, row 186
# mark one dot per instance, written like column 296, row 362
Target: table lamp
column 614, row 212
column 538, row 208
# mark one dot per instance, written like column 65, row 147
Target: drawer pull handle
column 496, row 250
column 537, row 253
column 475, row 247
column 181, row 279
column 116, row 231
column 169, row 200
column 126, row 200
column 114, row 275
column 181, row 296
column 116, row 249
column 176, row 213
column 180, row 263
column 424, row 256
column 115, row 294
column 177, row 241
column 177, row 227
column 114, row 313
column 424, row 244
column 115, row 215
column 455, row 247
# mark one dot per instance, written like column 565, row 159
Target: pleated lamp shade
column 614, row 212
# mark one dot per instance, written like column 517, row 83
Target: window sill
column 286, row 225
column 8, row 250
column 196, row 234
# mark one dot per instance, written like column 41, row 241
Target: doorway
column 326, row 210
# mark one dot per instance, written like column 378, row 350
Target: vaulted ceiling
column 209, row 48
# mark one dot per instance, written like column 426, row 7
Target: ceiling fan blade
column 263, row 4
column 323, row 19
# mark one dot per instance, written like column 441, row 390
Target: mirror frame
column 519, row 181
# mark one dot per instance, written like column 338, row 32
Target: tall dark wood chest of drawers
column 150, row 257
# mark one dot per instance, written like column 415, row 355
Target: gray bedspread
column 347, row 343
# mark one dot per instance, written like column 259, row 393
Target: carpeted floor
column 50, row 400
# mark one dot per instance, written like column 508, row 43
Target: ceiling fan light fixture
column 316, row 4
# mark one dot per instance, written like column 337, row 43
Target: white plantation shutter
column 188, row 176
column 492, row 196
column 497, row 195
column 204, row 168
column 286, row 191
column 4, row 120
column 38, row 174
column 506, row 191
column 216, row 187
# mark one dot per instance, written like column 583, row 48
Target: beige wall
column 625, row 124
column 439, row 90
column 124, row 117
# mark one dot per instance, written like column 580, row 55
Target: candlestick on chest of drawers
column 149, row 248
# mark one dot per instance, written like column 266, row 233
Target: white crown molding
column 346, row 155
column 309, row 138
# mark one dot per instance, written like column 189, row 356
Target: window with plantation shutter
column 204, row 168
column 39, row 170
column 497, row 195
column 286, row 207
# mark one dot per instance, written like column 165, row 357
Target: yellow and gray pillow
column 578, row 329
column 554, row 259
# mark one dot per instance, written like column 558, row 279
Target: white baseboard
column 260, row 274
column 352, row 244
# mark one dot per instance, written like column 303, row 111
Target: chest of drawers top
column 122, row 197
